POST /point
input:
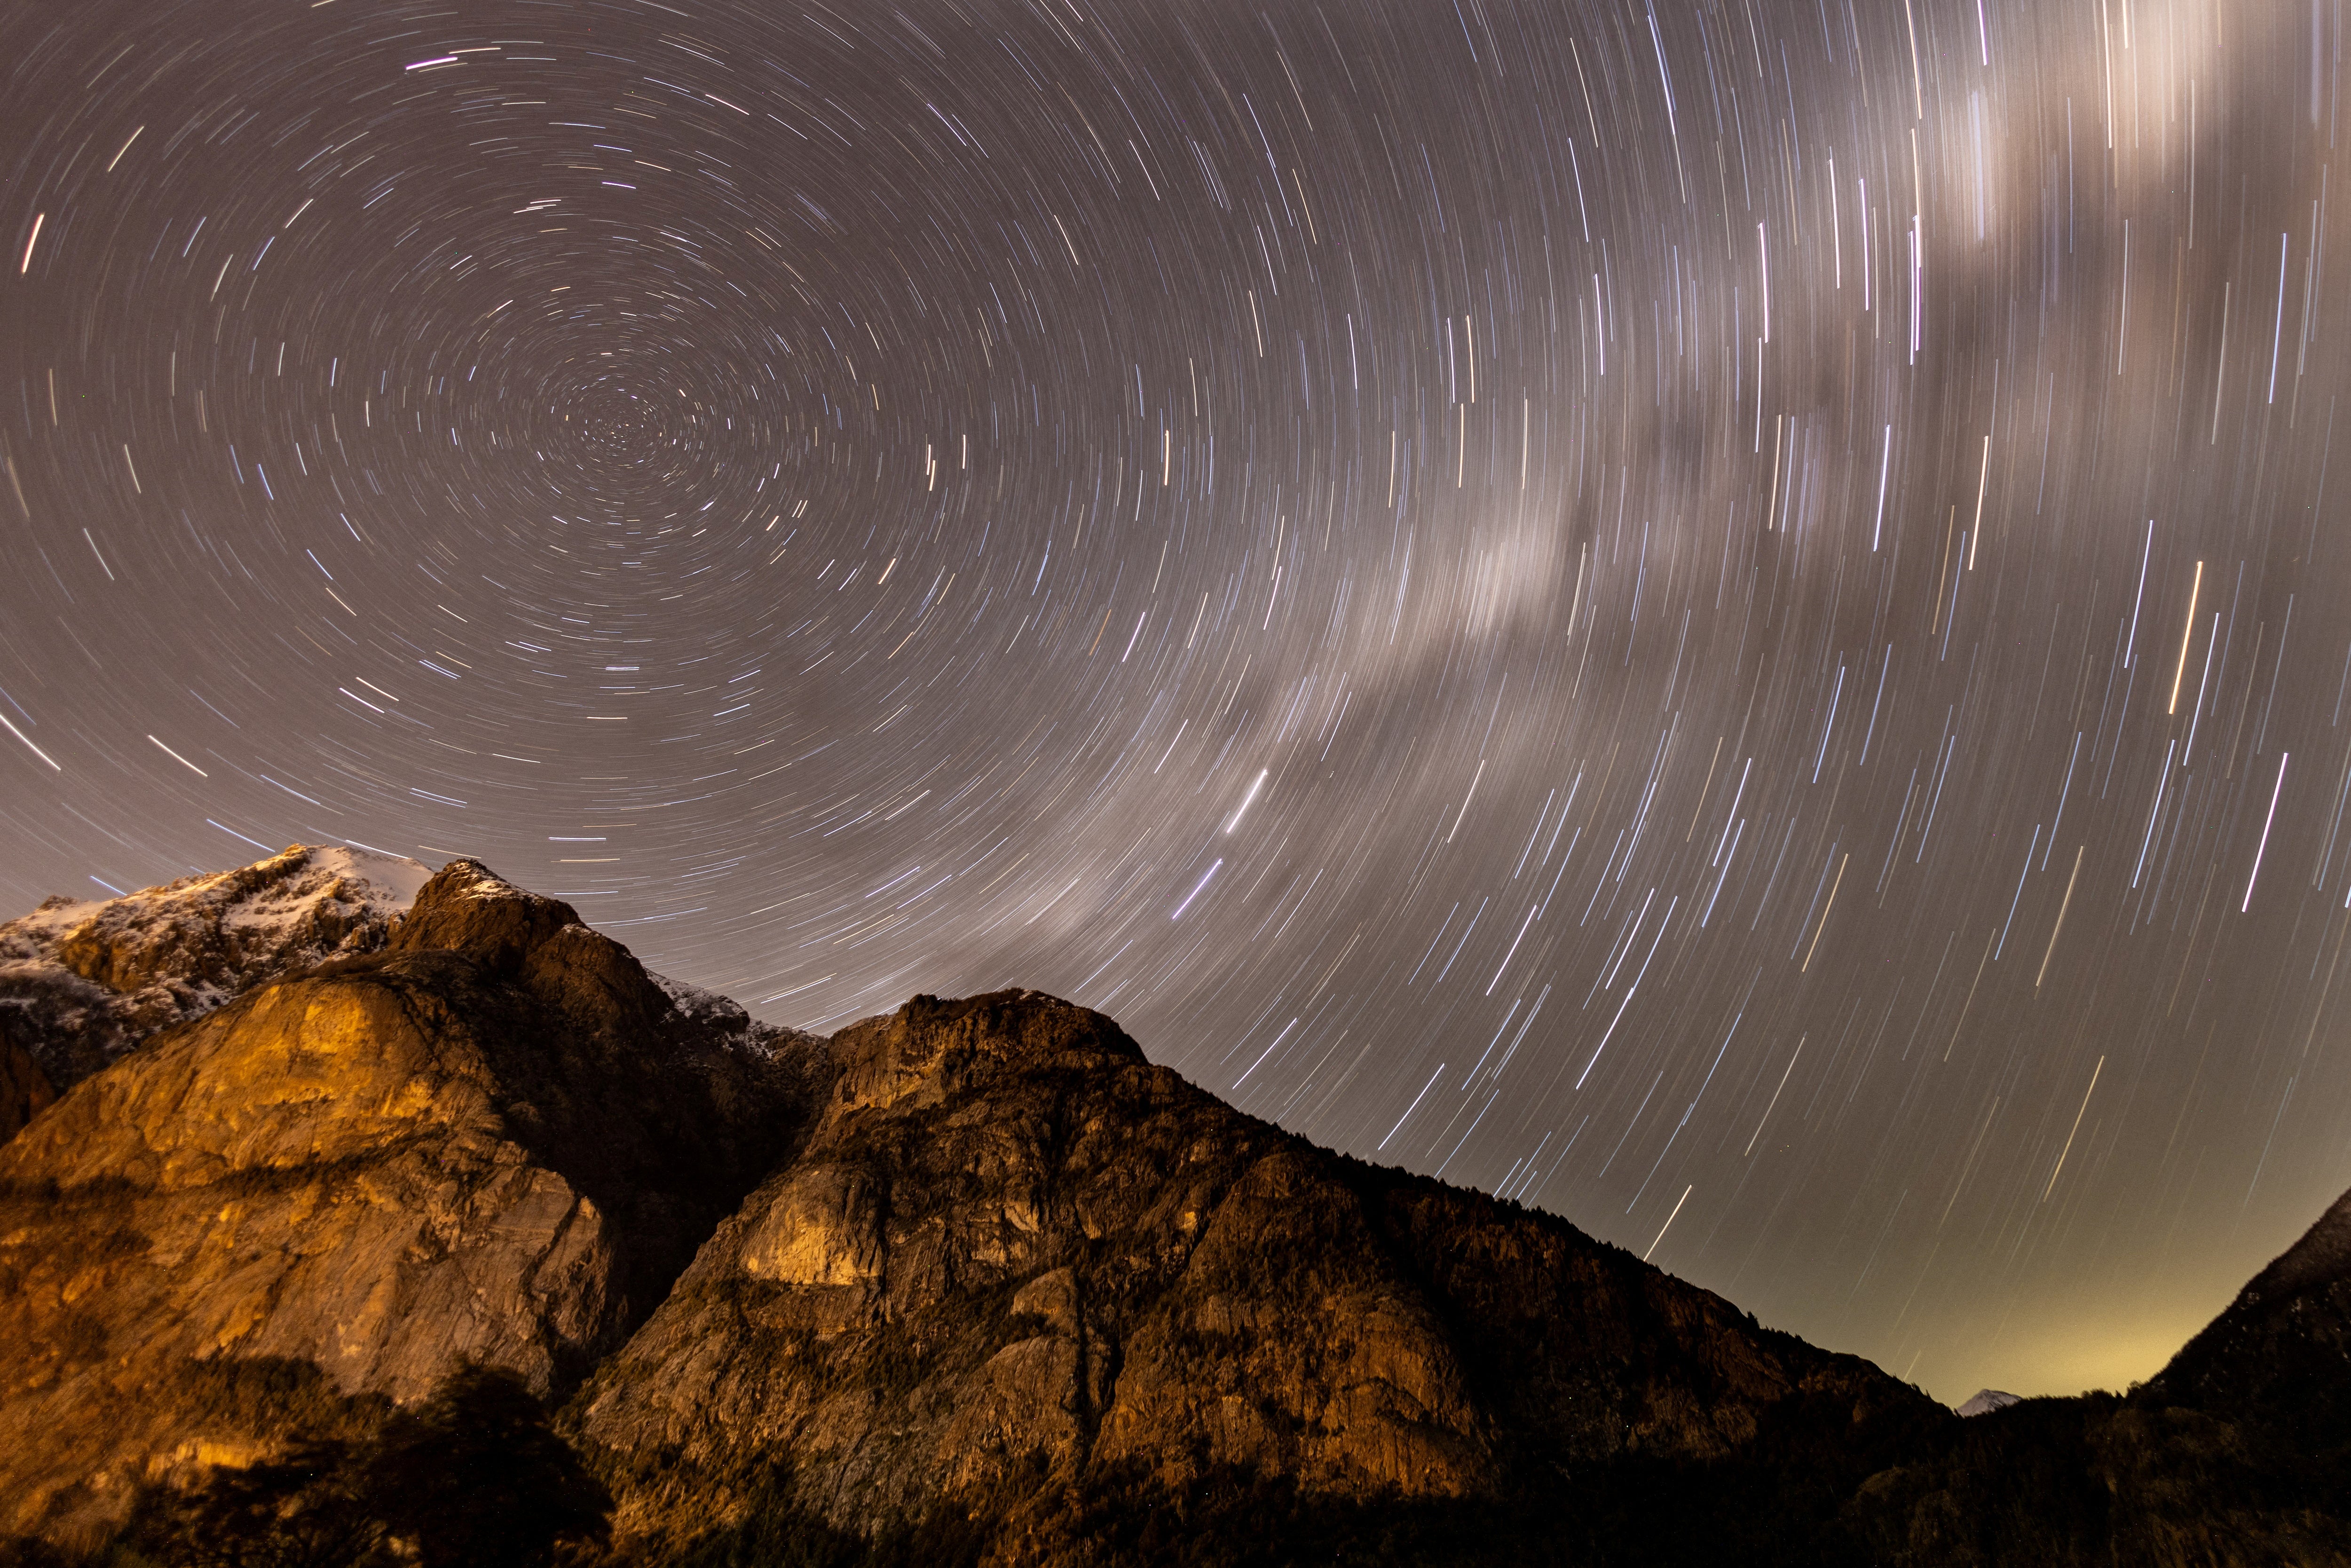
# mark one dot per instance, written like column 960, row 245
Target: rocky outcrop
column 82, row 983
column 494, row 1140
column 1015, row 1263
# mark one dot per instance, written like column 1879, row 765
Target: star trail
column 1681, row 612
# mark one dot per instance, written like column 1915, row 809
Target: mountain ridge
column 83, row 982
column 972, row 1280
column 493, row 1138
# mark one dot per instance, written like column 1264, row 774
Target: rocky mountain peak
column 537, row 944
column 83, row 982
column 930, row 1050
column 468, row 908
column 492, row 1138
column 1016, row 1265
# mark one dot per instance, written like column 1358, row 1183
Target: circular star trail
column 1722, row 617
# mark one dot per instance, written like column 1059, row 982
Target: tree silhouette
column 302, row 1510
column 474, row 1477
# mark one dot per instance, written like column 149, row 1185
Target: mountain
column 2281, row 1352
column 496, row 1138
column 437, row 1251
column 1021, row 1283
column 1984, row 1400
column 82, row 983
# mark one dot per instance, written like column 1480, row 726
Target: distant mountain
column 1984, row 1400
column 439, row 1251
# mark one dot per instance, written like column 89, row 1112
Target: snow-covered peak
column 1984, row 1400
column 267, row 894
column 83, row 981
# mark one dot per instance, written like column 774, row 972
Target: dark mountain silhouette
column 2280, row 1356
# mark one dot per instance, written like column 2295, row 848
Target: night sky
column 1725, row 619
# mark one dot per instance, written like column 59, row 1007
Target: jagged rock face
column 493, row 1139
column 1015, row 1256
column 82, row 983
column 973, row 1281
column 2281, row 1353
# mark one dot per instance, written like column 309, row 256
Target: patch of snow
column 730, row 1018
column 393, row 880
column 83, row 981
column 385, row 883
column 59, row 914
column 697, row 1003
column 483, row 882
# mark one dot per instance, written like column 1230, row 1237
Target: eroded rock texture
column 1016, row 1262
column 496, row 1139
column 972, row 1282
column 83, row 982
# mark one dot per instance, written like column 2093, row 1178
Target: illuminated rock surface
column 970, row 1281
column 83, row 982
column 495, row 1139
